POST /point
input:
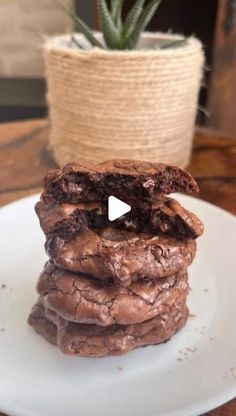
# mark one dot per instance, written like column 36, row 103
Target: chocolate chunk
column 125, row 179
column 99, row 341
column 165, row 216
column 82, row 299
column 121, row 255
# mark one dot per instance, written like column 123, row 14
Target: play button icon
column 116, row 208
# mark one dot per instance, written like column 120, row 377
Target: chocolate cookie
column 165, row 216
column 82, row 299
column 99, row 341
column 122, row 255
column 125, row 179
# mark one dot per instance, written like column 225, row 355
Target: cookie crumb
column 2, row 329
column 120, row 368
column 3, row 286
column 211, row 339
column 192, row 315
column 191, row 349
column 230, row 374
column 206, row 290
column 179, row 359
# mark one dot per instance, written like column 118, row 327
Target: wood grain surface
column 25, row 159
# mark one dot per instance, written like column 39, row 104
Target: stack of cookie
column 110, row 287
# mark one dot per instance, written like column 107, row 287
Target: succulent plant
column 119, row 33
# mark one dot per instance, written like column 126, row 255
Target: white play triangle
column 116, row 208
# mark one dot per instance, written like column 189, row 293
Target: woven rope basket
column 123, row 104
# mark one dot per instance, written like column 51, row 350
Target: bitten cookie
column 99, row 341
column 125, row 179
column 82, row 299
column 165, row 216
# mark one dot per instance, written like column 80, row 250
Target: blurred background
column 25, row 23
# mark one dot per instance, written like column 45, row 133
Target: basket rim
column 60, row 43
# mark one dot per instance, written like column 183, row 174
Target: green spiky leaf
column 82, row 27
column 132, row 18
column 142, row 23
column 75, row 41
column 116, row 34
column 110, row 32
column 116, row 11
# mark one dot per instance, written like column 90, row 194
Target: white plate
column 191, row 374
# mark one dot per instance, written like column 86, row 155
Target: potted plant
column 123, row 93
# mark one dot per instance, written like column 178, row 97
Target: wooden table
column 25, row 159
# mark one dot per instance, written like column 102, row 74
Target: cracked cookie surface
column 99, row 341
column 121, row 255
column 82, row 299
